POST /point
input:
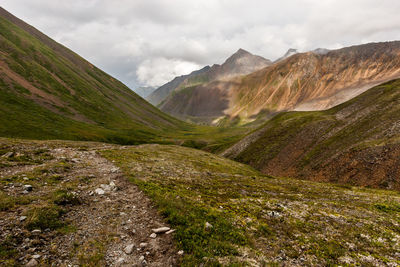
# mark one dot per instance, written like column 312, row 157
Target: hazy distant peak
column 321, row 51
column 289, row 53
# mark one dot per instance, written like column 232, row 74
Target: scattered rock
column 141, row 258
column 28, row 187
column 143, row 245
column 22, row 218
column 153, row 235
column 208, row 225
column 106, row 187
column 37, row 256
column 170, row 231
column 36, row 231
column 180, row 252
column 128, row 249
column 99, row 191
column 161, row 230
column 31, row 263
column 8, row 155
column 120, row 261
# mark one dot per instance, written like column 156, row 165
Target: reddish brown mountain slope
column 357, row 142
column 307, row 81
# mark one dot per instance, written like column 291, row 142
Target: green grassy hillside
column 47, row 91
column 258, row 220
column 357, row 142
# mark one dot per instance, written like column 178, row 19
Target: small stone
column 170, row 231
column 161, row 230
column 99, row 191
column 8, row 155
column 143, row 245
column 91, row 193
column 153, row 235
column 37, row 256
column 120, row 261
column 180, row 252
column 208, row 225
column 133, row 231
column 141, row 258
column 31, row 263
column 36, row 231
column 128, row 249
column 144, row 263
column 22, row 218
column 28, row 187
column 106, row 187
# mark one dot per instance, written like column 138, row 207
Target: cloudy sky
column 148, row 42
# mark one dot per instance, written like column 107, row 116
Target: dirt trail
column 105, row 223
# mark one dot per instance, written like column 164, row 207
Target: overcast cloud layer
column 149, row 42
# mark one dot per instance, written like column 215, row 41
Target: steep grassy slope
column 357, row 142
column 226, row 213
column 47, row 91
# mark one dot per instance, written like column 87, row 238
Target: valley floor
column 90, row 201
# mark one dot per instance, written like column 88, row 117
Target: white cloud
column 153, row 72
column 148, row 42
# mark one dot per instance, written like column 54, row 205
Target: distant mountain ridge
column 315, row 80
column 289, row 53
column 240, row 63
column 158, row 95
column 354, row 143
column 144, row 91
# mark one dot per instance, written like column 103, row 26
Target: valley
column 223, row 212
column 252, row 162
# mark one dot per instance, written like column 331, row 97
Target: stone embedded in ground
column 170, row 231
column 143, row 245
column 8, row 155
column 106, row 187
column 22, row 218
column 153, row 235
column 129, row 248
column 180, row 252
column 120, row 261
column 36, row 231
column 161, row 230
column 31, row 263
column 37, row 256
column 99, row 191
column 28, row 187
column 141, row 258
column 208, row 225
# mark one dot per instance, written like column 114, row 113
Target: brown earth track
column 105, row 223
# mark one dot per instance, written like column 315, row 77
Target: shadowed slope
column 357, row 142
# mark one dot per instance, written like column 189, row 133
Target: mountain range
column 240, row 63
column 315, row 80
column 91, row 174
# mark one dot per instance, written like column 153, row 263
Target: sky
column 149, row 42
